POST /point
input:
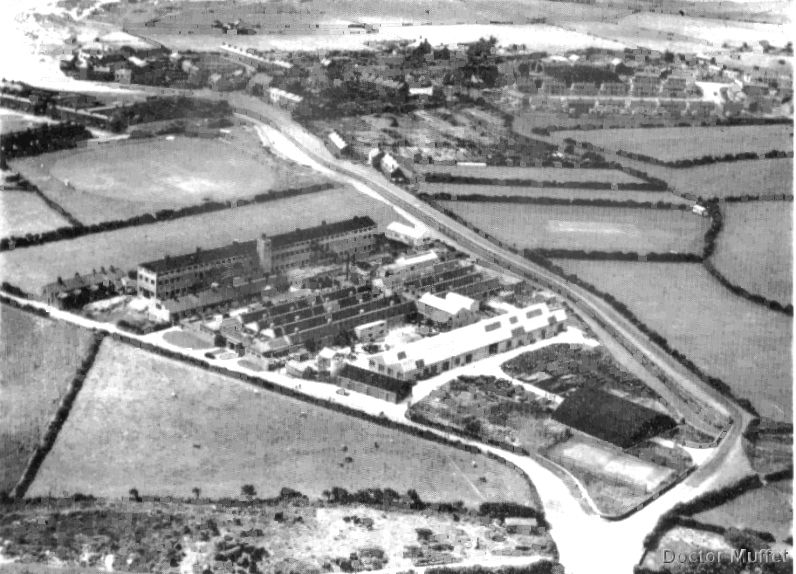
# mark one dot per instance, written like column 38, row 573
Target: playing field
column 742, row 343
column 565, row 193
column 754, row 249
column 586, row 228
column 39, row 359
column 534, row 173
column 769, row 508
column 32, row 267
column 672, row 144
column 22, row 212
column 164, row 427
column 124, row 179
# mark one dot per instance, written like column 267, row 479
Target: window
column 468, row 358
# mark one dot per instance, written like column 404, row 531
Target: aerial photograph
column 396, row 286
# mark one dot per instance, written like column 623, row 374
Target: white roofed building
column 407, row 234
column 452, row 311
column 433, row 355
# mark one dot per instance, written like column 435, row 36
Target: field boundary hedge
column 524, row 199
column 56, row 424
column 706, row 159
column 493, row 181
column 163, row 215
column 666, row 257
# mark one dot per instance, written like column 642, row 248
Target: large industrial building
column 433, row 355
column 184, row 274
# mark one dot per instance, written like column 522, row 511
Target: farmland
column 23, row 212
column 121, row 180
column 742, row 343
column 40, row 358
column 584, row 227
column 32, row 267
column 164, row 427
column 563, row 193
column 560, row 175
column 730, row 179
column 672, row 144
column 768, row 508
column 754, row 248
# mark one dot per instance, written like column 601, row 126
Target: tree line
column 665, row 257
column 521, row 182
column 706, row 159
column 596, row 202
column 42, row 139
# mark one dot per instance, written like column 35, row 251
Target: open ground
column 39, row 359
column 561, row 175
column 164, row 427
column 743, row 343
column 23, row 212
column 33, row 267
column 671, row 144
column 585, row 227
column 123, row 179
column 754, row 249
column 552, row 192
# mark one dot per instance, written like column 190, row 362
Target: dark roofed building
column 610, row 418
column 373, row 384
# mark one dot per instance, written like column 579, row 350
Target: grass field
column 588, row 228
column 118, row 181
column 743, row 343
column 23, row 212
column 731, row 179
column 754, row 249
column 769, row 508
column 164, row 427
column 39, row 359
column 14, row 121
column 32, row 267
column 671, row 144
column 535, row 173
column 553, row 192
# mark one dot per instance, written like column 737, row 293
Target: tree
column 196, row 492
column 248, row 491
column 134, row 494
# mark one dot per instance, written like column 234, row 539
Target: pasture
column 39, row 359
column 165, row 427
column 456, row 189
column 585, row 227
column 119, row 180
column 768, row 508
column 32, row 267
column 23, row 212
column 672, row 144
column 554, row 174
column 730, row 179
column 754, row 249
column 742, row 343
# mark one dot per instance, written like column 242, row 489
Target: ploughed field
column 32, row 267
column 561, row 175
column 39, row 360
column 754, row 249
column 743, row 343
column 585, row 227
column 23, row 212
column 672, row 144
column 164, row 427
column 121, row 180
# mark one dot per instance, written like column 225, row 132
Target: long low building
column 373, row 384
column 433, row 355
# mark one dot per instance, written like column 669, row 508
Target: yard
column 32, row 267
column 672, row 144
column 585, row 227
column 754, row 249
column 742, row 343
column 561, row 193
column 560, row 175
column 164, row 427
column 40, row 357
column 23, row 212
column 119, row 180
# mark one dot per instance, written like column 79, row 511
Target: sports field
column 535, row 173
column 22, row 212
column 123, row 179
column 39, row 360
column 164, row 427
column 552, row 192
column 742, row 343
column 585, row 227
column 672, row 144
column 32, row 267
column 754, row 249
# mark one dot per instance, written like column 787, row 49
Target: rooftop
column 201, row 256
column 408, row 230
column 356, row 223
column 452, row 303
